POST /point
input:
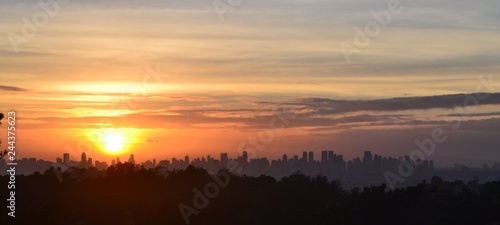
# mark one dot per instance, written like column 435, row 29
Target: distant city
column 357, row 172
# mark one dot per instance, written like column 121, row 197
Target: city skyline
column 250, row 112
column 168, row 78
column 306, row 156
column 365, row 170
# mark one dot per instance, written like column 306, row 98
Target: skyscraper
column 131, row 159
column 304, row 156
column 331, row 156
column 367, row 157
column 186, row 159
column 84, row 159
column 324, row 156
column 66, row 158
column 368, row 160
column 224, row 159
column 245, row 156
column 311, row 156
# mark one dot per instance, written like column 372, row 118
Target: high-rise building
column 285, row 158
column 311, row 156
column 367, row 160
column 148, row 164
column 186, row 159
column 101, row 165
column 164, row 163
column 324, row 156
column 131, row 159
column 66, row 158
column 367, row 157
column 89, row 162
column 224, row 159
column 84, row 159
column 245, row 156
column 59, row 160
column 331, row 156
column 304, row 156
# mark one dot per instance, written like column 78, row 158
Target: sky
column 203, row 77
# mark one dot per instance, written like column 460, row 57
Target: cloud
column 324, row 106
column 319, row 114
column 472, row 114
column 12, row 88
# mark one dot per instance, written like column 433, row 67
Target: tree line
column 128, row 195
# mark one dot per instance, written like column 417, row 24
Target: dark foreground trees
column 128, row 195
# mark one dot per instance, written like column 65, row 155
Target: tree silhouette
column 126, row 194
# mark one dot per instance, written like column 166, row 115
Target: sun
column 113, row 142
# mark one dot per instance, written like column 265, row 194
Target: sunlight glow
column 113, row 143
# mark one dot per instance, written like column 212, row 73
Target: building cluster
column 27, row 165
column 359, row 171
column 84, row 162
column 330, row 164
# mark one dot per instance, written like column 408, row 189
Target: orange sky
column 176, row 80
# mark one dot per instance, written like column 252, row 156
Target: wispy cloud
column 324, row 106
column 311, row 113
column 12, row 88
